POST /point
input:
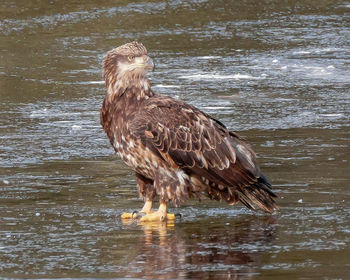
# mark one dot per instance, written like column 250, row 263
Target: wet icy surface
column 276, row 73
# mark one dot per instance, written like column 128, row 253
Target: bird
column 176, row 150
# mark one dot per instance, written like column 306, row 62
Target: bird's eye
column 131, row 57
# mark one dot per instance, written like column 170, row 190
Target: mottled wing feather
column 195, row 141
column 187, row 138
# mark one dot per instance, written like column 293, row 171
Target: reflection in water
column 206, row 250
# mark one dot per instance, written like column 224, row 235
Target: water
column 276, row 71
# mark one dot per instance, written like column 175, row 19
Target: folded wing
column 200, row 145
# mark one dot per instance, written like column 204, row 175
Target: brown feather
column 176, row 150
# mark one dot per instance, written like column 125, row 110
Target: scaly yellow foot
column 148, row 215
column 157, row 217
column 147, row 208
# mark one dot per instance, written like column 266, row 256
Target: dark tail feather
column 259, row 194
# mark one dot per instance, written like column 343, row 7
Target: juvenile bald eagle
column 176, row 150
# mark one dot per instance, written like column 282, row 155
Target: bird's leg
column 146, row 209
column 158, row 216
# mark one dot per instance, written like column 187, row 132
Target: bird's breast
column 137, row 156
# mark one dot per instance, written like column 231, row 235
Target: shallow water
column 275, row 71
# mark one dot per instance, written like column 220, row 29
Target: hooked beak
column 142, row 62
column 149, row 63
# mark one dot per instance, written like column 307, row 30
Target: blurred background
column 276, row 72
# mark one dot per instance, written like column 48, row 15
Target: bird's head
column 126, row 65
